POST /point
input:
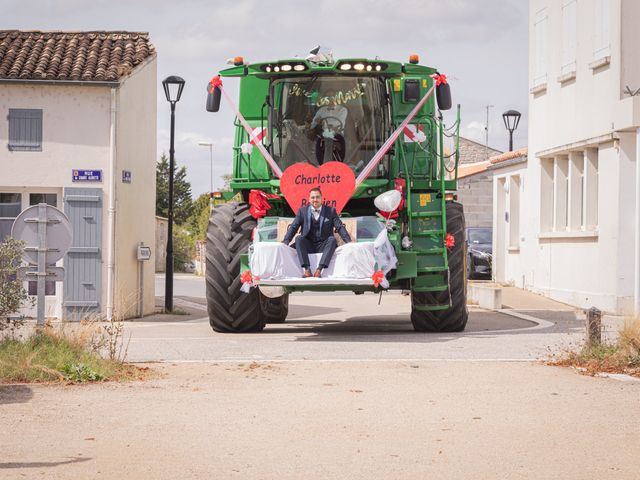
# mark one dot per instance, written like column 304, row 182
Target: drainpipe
column 111, row 225
column 636, row 292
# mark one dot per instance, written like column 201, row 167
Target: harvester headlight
column 358, row 66
column 268, row 68
column 345, row 66
column 378, row 68
column 299, row 68
column 276, row 68
column 286, row 68
column 369, row 68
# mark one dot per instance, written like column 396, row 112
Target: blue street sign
column 86, row 175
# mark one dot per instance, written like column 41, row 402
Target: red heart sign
column 336, row 181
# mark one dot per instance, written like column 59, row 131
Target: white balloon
column 388, row 201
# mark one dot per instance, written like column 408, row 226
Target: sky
column 480, row 46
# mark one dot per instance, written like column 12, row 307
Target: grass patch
column 621, row 356
column 61, row 356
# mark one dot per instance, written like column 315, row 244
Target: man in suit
column 318, row 222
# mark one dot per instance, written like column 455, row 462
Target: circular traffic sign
column 59, row 233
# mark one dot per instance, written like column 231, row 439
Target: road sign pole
column 42, row 260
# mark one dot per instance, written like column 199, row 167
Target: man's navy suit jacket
column 329, row 220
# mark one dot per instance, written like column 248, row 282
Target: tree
column 199, row 218
column 181, row 192
column 227, row 177
column 12, row 295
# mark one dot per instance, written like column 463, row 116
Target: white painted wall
column 76, row 135
column 582, row 266
column 136, row 202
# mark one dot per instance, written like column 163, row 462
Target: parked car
column 189, row 267
column 479, row 252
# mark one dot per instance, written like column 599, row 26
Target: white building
column 577, row 236
column 79, row 113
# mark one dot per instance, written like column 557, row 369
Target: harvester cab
column 370, row 135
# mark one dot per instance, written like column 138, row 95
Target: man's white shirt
column 315, row 213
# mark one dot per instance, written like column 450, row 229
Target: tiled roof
column 522, row 152
column 478, row 167
column 86, row 56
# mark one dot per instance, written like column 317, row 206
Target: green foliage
column 182, row 201
column 12, row 295
column 79, row 372
column 227, row 177
column 47, row 357
column 183, row 248
column 199, row 218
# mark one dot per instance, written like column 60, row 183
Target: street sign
column 58, row 231
column 86, row 175
column 126, row 176
column 47, row 234
column 144, row 253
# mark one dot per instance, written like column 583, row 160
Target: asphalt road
column 343, row 326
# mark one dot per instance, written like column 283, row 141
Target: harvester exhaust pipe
column 213, row 99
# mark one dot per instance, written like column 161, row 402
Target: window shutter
column 25, row 129
column 602, row 29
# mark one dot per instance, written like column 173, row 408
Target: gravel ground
column 329, row 420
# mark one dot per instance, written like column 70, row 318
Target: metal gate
column 83, row 262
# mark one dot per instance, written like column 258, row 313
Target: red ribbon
column 439, row 78
column 246, row 277
column 449, row 241
column 215, row 82
column 258, row 204
column 377, row 278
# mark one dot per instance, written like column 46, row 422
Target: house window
column 25, row 130
column 48, row 198
column 602, row 29
column 568, row 37
column 540, row 45
column 569, row 192
column 10, row 208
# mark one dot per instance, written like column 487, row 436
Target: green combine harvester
column 277, row 103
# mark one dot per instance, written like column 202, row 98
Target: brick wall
column 476, row 195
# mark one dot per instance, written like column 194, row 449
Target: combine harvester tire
column 229, row 235
column 453, row 319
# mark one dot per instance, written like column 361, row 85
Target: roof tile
column 87, row 56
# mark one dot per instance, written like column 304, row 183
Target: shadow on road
column 42, row 464
column 380, row 327
column 15, row 394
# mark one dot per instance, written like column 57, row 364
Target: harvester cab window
column 328, row 118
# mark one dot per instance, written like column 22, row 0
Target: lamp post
column 173, row 86
column 210, row 145
column 511, row 120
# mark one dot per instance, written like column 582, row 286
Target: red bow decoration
column 377, row 278
column 246, row 277
column 439, row 78
column 215, row 82
column 258, row 204
column 449, row 241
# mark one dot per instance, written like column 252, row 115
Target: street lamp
column 210, row 145
column 511, row 120
column 173, row 86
